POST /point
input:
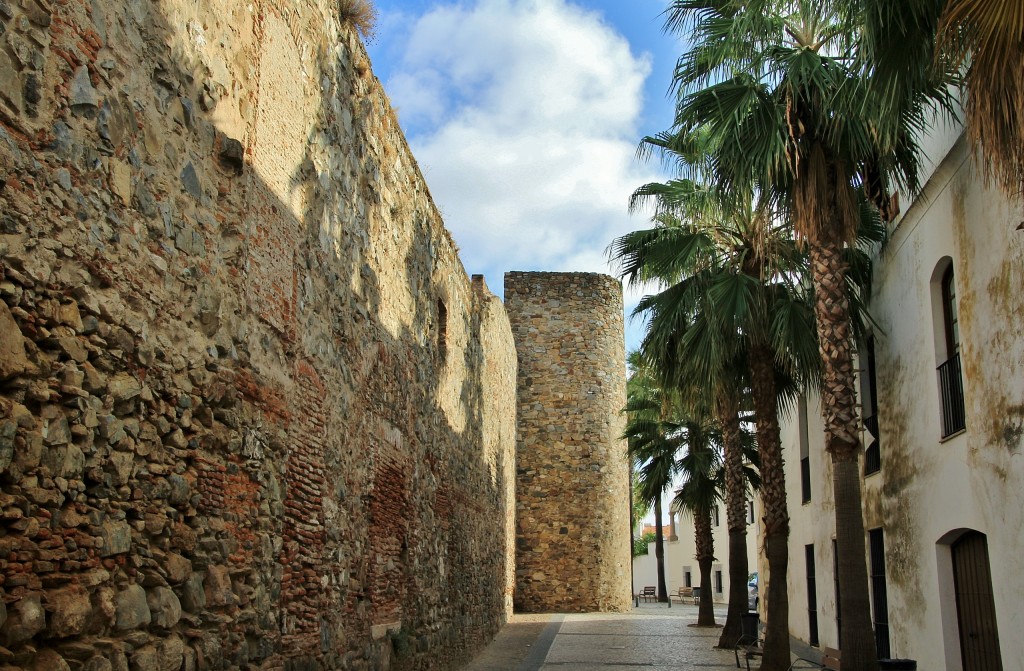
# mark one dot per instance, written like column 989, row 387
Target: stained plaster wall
column 931, row 489
column 253, row 413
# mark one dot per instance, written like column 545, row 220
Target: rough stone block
column 178, row 568
column 8, row 430
column 13, row 360
column 172, row 653
column 193, row 596
column 232, row 154
column 116, row 537
column 123, row 387
column 164, row 607
column 217, row 586
column 70, row 610
column 180, row 492
column 10, row 83
column 48, row 660
column 131, row 608
column 146, row 658
column 98, row 663
column 81, row 95
column 25, row 619
column 104, row 608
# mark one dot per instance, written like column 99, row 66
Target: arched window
column 950, row 321
column 869, row 407
column 947, row 347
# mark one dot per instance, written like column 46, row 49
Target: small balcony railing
column 951, row 393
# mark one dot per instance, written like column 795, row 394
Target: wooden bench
column 684, row 593
column 829, row 661
column 649, row 592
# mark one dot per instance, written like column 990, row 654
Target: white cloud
column 523, row 117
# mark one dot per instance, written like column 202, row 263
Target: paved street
column 652, row 636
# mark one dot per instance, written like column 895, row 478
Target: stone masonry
column 253, row 412
column 572, row 480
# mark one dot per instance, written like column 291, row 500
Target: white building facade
column 942, row 397
column 681, row 569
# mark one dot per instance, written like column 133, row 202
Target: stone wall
column 253, row 413
column 572, row 480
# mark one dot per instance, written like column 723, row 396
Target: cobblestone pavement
column 651, row 636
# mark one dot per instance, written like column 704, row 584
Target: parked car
column 752, row 599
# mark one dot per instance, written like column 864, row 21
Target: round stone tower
column 572, row 478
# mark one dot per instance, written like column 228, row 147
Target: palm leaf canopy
column 778, row 90
column 650, row 436
column 728, row 270
column 916, row 45
column 700, row 469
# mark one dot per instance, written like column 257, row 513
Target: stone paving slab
column 651, row 636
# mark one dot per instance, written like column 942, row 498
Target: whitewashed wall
column 930, row 490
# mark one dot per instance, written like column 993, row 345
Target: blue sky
column 524, row 116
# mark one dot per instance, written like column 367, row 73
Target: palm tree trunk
column 659, row 550
column 705, row 543
column 842, row 441
column 736, row 518
column 776, row 514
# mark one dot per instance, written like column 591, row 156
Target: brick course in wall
column 228, row 437
column 572, row 480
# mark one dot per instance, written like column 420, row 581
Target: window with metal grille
column 869, row 408
column 951, row 386
column 812, row 595
column 718, row 581
column 879, row 596
column 805, row 449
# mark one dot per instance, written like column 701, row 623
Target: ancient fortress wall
column 253, row 413
column 572, row 480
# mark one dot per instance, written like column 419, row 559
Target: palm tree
column 669, row 253
column 777, row 89
column 724, row 308
column 727, row 411
column 638, row 505
column 912, row 44
column 702, row 476
column 651, row 448
column 722, row 391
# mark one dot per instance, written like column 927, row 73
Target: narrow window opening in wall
column 869, row 408
column 714, row 516
column 805, row 449
column 750, row 512
column 839, row 602
column 687, row 577
column 879, row 597
column 718, row 582
column 950, row 316
column 812, row 596
column 442, row 330
column 950, row 376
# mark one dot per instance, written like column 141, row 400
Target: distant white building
column 942, row 395
column 681, row 568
